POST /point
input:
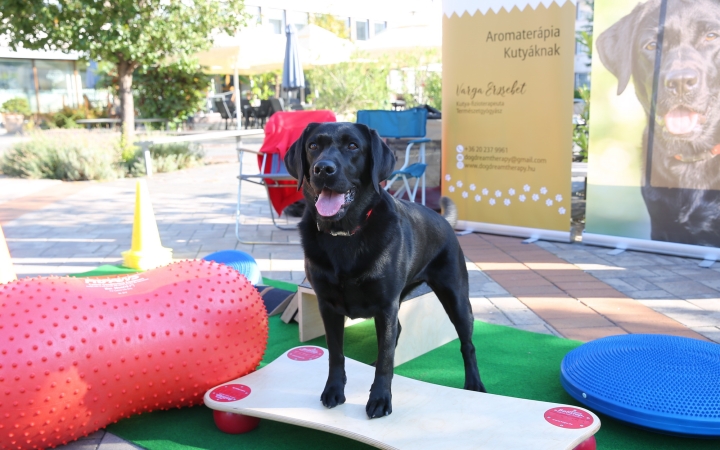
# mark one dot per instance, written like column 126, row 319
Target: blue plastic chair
column 410, row 123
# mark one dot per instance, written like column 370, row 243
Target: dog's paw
column 379, row 404
column 333, row 395
column 474, row 385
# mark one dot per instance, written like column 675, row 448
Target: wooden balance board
column 425, row 416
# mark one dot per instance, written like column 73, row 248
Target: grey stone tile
column 523, row 317
column 494, row 318
column 655, row 294
column 712, row 333
column 686, row 288
column 684, row 312
column 667, row 279
column 486, row 289
column 641, row 284
column 710, row 304
column 623, row 273
column 112, row 442
column 664, row 273
column 506, row 303
column 712, row 283
column 481, row 305
column 620, row 284
column 698, row 274
column 536, row 328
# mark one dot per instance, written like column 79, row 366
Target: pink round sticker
column 230, row 393
column 568, row 417
column 305, row 353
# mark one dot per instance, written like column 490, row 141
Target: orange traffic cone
column 146, row 251
column 7, row 272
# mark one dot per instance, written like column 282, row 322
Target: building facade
column 48, row 80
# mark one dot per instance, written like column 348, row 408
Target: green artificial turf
column 105, row 270
column 512, row 362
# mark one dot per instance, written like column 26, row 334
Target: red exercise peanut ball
column 77, row 354
column 587, row 444
column 233, row 423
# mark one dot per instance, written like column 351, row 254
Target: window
column 275, row 18
column 58, row 85
column 380, row 27
column 582, row 79
column 299, row 19
column 363, row 31
column 16, row 80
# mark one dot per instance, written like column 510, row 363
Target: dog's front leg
column 380, row 402
column 334, row 393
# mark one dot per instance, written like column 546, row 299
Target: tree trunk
column 127, row 103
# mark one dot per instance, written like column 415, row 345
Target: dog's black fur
column 390, row 247
column 683, row 199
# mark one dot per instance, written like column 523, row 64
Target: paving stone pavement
column 671, row 285
column 195, row 212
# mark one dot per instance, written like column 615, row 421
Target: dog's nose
column 324, row 168
column 681, row 81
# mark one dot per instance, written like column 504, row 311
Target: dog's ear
column 382, row 159
column 616, row 46
column 295, row 159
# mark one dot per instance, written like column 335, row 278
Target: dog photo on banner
column 654, row 179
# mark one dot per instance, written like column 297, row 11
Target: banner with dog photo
column 507, row 114
column 654, row 174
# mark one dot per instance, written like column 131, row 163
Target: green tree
column 173, row 91
column 332, row 24
column 126, row 33
column 349, row 86
column 581, row 132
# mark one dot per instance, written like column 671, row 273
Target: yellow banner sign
column 507, row 112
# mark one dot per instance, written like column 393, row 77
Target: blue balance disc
column 240, row 261
column 667, row 384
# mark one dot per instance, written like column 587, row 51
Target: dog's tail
column 449, row 211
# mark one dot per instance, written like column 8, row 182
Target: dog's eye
column 313, row 146
column 651, row 46
column 711, row 36
column 353, row 146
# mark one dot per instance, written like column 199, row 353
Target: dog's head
column 337, row 163
column 689, row 79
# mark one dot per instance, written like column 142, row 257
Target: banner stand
column 508, row 230
column 646, row 245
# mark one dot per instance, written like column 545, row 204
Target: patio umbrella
column 293, row 77
column 252, row 51
column 404, row 38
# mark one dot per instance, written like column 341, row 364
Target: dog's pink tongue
column 329, row 202
column 681, row 121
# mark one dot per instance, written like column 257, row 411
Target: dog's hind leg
column 452, row 290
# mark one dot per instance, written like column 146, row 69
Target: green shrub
column 68, row 117
column 50, row 156
column 79, row 156
column 17, row 105
column 165, row 158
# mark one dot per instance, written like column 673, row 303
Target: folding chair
column 281, row 131
column 410, row 123
column 222, row 108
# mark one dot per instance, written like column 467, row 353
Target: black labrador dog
column 683, row 198
column 365, row 251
